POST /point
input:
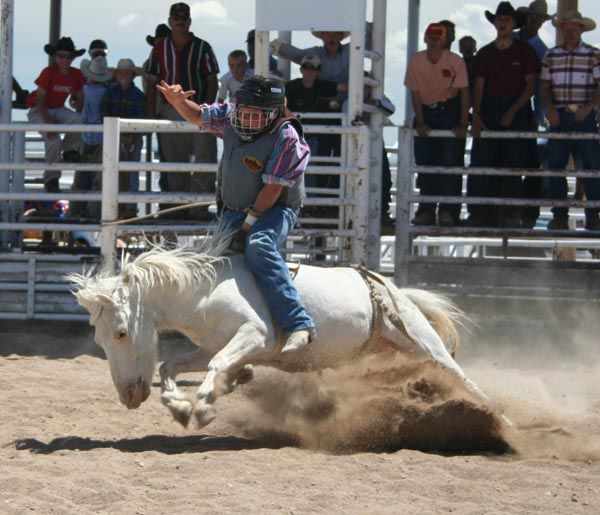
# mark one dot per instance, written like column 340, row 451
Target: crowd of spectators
column 513, row 83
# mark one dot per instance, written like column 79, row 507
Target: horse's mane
column 182, row 267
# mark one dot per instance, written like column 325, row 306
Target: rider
column 261, row 186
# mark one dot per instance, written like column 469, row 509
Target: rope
column 157, row 213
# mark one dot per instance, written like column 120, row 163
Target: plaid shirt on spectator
column 130, row 103
column 573, row 76
column 188, row 66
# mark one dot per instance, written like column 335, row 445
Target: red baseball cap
column 435, row 30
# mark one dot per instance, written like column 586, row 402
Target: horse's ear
column 105, row 300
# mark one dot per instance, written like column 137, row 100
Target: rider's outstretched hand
column 174, row 93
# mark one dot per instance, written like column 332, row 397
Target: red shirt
column 504, row 71
column 57, row 86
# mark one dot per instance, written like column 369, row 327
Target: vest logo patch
column 253, row 164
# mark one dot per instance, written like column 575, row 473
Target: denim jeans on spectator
column 439, row 152
column 268, row 266
column 586, row 154
column 500, row 153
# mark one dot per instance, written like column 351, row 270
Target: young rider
column 261, row 186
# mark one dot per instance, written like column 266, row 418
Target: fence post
column 403, row 188
column 110, row 191
column 360, row 194
column 18, row 185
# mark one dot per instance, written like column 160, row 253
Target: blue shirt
column 539, row 110
column 92, row 100
column 130, row 103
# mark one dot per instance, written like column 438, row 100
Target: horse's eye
column 122, row 334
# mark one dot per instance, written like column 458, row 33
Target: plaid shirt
column 573, row 76
column 130, row 103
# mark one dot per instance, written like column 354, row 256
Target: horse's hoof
column 245, row 375
column 181, row 410
column 205, row 415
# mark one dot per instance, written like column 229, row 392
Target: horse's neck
column 173, row 309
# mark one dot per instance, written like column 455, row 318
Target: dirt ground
column 342, row 442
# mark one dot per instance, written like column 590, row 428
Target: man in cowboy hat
column 250, row 43
column 570, row 90
column 46, row 104
column 536, row 14
column 505, row 72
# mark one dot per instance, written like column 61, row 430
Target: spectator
column 334, row 56
column 570, row 90
column 505, row 71
column 46, row 105
column 310, row 94
column 250, row 47
column 98, row 48
column 238, row 72
column 124, row 100
column 183, row 57
column 450, row 33
column 437, row 79
column 536, row 15
column 467, row 46
column 97, row 74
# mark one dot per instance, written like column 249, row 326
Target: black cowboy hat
column 506, row 9
column 161, row 31
column 65, row 44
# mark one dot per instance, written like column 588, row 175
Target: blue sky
column 124, row 25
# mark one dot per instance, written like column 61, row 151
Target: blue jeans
column 440, row 152
column 268, row 266
column 586, row 154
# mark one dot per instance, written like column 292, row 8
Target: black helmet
column 266, row 98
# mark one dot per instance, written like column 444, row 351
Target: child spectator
column 96, row 72
column 238, row 73
column 46, row 105
column 125, row 100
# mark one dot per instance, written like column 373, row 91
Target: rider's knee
column 258, row 249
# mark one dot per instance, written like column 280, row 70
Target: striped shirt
column 290, row 154
column 573, row 76
column 188, row 66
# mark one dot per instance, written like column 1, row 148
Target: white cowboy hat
column 575, row 17
column 537, row 8
column 319, row 33
column 96, row 69
column 127, row 64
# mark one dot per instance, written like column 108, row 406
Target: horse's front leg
column 179, row 403
column 228, row 366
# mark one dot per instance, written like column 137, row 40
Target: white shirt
column 229, row 85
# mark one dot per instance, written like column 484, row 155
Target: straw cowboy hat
column 63, row 44
column 537, row 8
column 127, row 64
column 575, row 17
column 96, row 69
column 319, row 33
column 506, row 9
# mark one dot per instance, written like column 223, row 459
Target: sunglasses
column 308, row 67
column 64, row 55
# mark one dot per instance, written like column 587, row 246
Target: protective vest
column 243, row 165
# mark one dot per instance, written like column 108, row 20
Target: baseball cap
column 311, row 60
column 180, row 9
column 436, row 30
column 98, row 44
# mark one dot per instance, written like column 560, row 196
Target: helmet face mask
column 259, row 102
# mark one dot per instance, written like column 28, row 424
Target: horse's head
column 126, row 332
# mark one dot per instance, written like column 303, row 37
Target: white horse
column 215, row 302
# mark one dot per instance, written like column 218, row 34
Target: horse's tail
column 443, row 315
